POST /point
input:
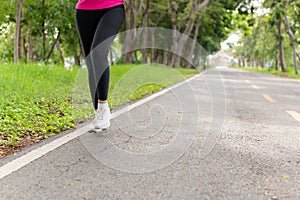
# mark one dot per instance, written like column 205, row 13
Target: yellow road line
column 255, row 87
column 269, row 98
column 294, row 114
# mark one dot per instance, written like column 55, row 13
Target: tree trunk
column 245, row 57
column 155, row 55
column 182, row 41
column 52, row 47
column 24, row 49
column 36, row 51
column 179, row 42
column 77, row 60
column 262, row 63
column 196, row 59
column 144, row 23
column 22, row 44
column 29, row 38
column 18, row 31
column 133, row 9
column 293, row 42
column 152, row 50
column 61, row 54
column 81, row 50
column 192, row 48
column 43, row 34
column 276, row 62
column 76, row 55
column 281, row 47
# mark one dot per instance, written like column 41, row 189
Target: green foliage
column 128, row 83
column 132, row 82
column 52, row 18
column 55, row 17
column 6, row 41
column 259, row 44
column 289, row 74
column 36, row 100
column 216, row 24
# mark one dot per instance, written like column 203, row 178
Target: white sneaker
column 102, row 117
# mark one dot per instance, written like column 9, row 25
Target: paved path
column 162, row 149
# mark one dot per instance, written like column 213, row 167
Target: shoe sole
column 97, row 128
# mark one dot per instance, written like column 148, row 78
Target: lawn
column 39, row 101
column 289, row 74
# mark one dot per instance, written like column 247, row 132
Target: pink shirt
column 97, row 4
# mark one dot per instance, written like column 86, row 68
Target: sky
column 233, row 38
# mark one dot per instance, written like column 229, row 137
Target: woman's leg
column 87, row 22
column 97, row 29
column 108, row 26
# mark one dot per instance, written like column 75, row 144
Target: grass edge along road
column 37, row 101
column 289, row 74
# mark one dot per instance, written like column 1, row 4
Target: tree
column 293, row 42
column 18, row 31
column 264, row 35
column 133, row 10
column 183, row 16
column 280, row 10
column 278, row 18
column 293, row 7
column 47, row 29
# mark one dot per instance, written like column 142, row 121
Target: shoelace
column 100, row 113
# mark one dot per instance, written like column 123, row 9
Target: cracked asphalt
column 215, row 137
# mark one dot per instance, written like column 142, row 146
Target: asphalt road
column 226, row 134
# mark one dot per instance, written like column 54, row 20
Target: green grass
column 34, row 102
column 41, row 101
column 289, row 74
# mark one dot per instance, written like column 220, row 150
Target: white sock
column 102, row 105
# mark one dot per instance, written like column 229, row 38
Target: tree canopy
column 47, row 30
column 270, row 38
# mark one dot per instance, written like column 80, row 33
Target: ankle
column 102, row 105
column 102, row 101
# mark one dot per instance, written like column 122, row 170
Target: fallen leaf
column 285, row 177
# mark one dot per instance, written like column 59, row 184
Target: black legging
column 97, row 29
